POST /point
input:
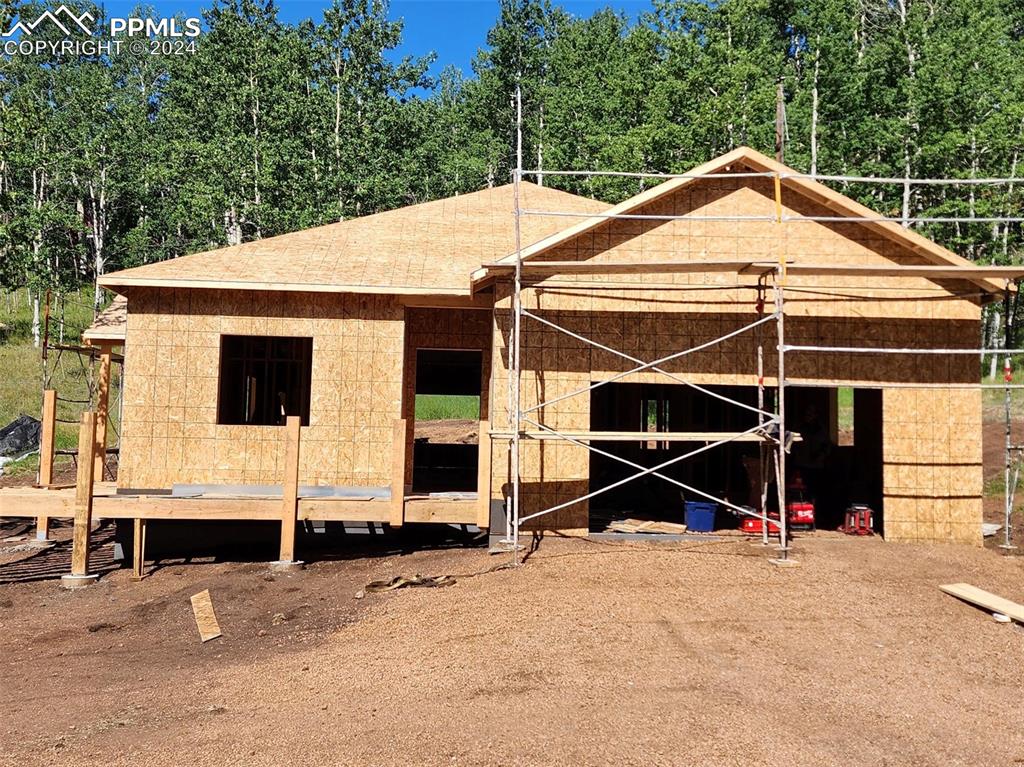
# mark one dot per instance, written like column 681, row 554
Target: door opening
column 447, row 414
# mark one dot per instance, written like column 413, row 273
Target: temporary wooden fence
column 92, row 500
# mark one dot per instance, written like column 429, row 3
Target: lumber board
column 32, row 502
column 984, row 599
column 83, row 495
column 164, row 507
column 206, row 618
column 398, row 473
column 114, row 281
column 631, row 267
column 102, row 406
column 752, row 267
column 483, row 478
column 453, row 512
column 290, row 490
column 344, row 510
column 640, row 436
column 46, row 440
column 928, row 271
column 139, row 549
column 647, row 526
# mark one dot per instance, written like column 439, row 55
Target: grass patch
column 21, row 384
column 447, row 407
column 994, row 400
column 845, row 408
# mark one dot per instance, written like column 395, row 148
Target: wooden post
column 102, row 413
column 290, row 491
column 398, row 474
column 483, row 478
column 83, row 504
column 139, row 550
column 46, row 445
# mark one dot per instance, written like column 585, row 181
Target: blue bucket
column 700, row 516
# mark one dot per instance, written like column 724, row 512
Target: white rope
column 638, row 361
column 770, row 174
column 882, row 350
column 895, row 180
column 627, row 174
column 644, row 473
column 818, row 219
column 646, row 365
column 642, row 216
column 912, row 220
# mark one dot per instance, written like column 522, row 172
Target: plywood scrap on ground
column 206, row 618
column 646, row 526
column 985, row 600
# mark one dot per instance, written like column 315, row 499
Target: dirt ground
column 591, row 653
column 457, row 431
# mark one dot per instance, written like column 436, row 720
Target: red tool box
column 860, row 520
column 753, row 525
column 799, row 515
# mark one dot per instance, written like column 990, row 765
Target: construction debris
column 646, row 526
column 206, row 618
column 401, row 581
column 985, row 600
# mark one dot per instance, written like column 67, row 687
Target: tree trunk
column 814, row 110
column 35, row 318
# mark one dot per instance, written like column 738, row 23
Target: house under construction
column 688, row 343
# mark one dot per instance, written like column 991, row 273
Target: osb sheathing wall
column 443, row 329
column 170, row 433
column 932, row 475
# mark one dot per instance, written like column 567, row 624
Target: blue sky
column 454, row 29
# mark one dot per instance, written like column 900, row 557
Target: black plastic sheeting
column 20, row 436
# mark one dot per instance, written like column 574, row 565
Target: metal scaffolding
column 771, row 432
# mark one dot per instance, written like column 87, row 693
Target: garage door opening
column 837, row 461
column 447, row 413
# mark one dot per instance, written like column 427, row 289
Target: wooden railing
column 292, row 508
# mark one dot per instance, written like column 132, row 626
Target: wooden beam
column 83, row 495
column 483, row 478
column 398, row 474
column 290, row 494
column 139, row 550
column 894, row 270
column 166, row 507
column 46, row 445
column 118, row 283
column 639, row 436
column 452, row 512
column 479, row 301
column 344, row 510
column 757, row 267
column 986, row 600
column 630, row 267
column 102, row 404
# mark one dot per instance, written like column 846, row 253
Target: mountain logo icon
column 63, row 17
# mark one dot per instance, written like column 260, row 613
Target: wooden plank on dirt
column 206, row 618
column 984, row 599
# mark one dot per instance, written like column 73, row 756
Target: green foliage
column 115, row 161
column 447, row 407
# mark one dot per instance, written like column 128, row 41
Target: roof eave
column 119, row 284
